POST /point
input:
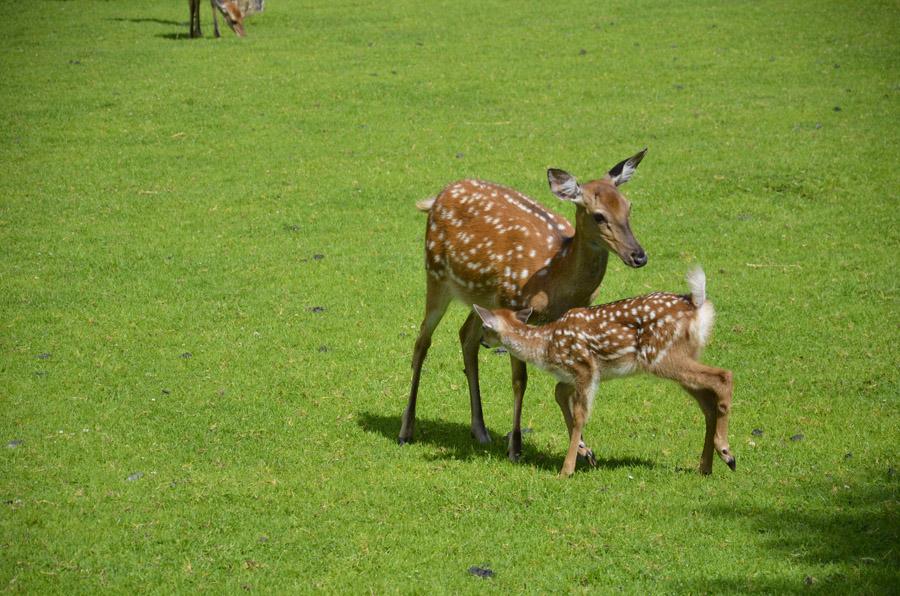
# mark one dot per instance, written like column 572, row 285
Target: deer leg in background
column 470, row 340
column 212, row 4
column 519, row 382
column 195, row 18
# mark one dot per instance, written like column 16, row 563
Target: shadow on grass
column 849, row 539
column 148, row 20
column 453, row 441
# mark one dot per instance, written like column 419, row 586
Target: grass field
column 212, row 280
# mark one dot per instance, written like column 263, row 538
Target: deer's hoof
column 482, row 436
column 403, row 440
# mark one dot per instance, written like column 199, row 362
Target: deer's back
column 487, row 241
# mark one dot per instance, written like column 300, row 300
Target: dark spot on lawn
column 848, row 455
column 499, row 351
column 482, row 572
column 75, row 62
column 419, row 43
column 186, row 355
column 135, row 476
column 797, row 437
column 809, row 580
column 166, row 392
column 44, row 355
column 679, row 86
column 40, row 373
column 318, row 257
column 291, row 227
column 460, row 155
column 14, row 443
column 744, row 217
column 757, row 432
column 582, row 52
column 837, row 108
column 836, row 65
column 323, row 349
column 317, row 309
column 263, row 538
column 246, row 587
column 891, row 472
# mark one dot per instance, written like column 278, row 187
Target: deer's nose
column 639, row 258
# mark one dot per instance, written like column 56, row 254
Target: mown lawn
column 212, row 280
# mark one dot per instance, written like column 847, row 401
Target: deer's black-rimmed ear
column 487, row 317
column 624, row 170
column 564, row 185
column 523, row 314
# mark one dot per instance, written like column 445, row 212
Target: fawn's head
column 606, row 206
column 233, row 14
column 495, row 324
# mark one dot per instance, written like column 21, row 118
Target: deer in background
column 233, row 11
column 662, row 334
column 492, row 245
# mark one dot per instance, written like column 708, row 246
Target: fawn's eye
column 599, row 218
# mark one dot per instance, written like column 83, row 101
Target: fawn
column 490, row 244
column 660, row 333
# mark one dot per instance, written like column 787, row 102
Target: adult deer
column 233, row 11
column 660, row 333
column 491, row 245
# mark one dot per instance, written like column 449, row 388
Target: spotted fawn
column 660, row 333
column 492, row 245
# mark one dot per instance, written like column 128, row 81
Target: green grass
column 163, row 199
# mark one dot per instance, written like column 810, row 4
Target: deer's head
column 233, row 14
column 606, row 211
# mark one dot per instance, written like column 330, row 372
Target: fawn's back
column 619, row 338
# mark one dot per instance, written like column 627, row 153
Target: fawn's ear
column 523, row 314
column 624, row 170
column 564, row 185
column 489, row 319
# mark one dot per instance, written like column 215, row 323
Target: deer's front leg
column 470, row 340
column 519, row 382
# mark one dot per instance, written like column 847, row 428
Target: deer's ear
column 487, row 317
column 523, row 314
column 564, row 185
column 624, row 170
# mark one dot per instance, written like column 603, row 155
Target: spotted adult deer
column 233, row 11
column 492, row 245
column 661, row 334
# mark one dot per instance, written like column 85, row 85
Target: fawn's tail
column 696, row 279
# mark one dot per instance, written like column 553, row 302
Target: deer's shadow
column 454, row 441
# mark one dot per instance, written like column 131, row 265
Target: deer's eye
column 599, row 218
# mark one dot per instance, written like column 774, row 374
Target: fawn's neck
column 527, row 343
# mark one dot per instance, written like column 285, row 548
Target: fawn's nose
column 639, row 258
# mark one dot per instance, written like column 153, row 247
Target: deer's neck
column 582, row 263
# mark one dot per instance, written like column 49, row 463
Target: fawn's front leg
column 564, row 395
column 579, row 416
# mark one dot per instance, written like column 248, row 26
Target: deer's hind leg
column 436, row 301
